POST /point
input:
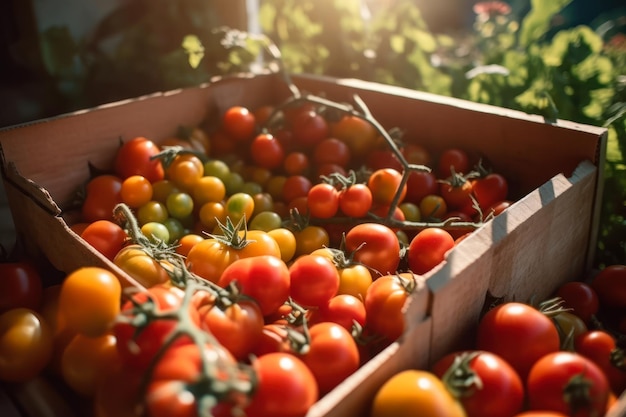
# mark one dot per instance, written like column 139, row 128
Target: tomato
column 137, row 349
column 21, row 285
column 382, row 158
column 343, row 309
column 428, row 248
column 355, row 200
column 239, row 123
column 419, row 185
column 384, row 304
column 581, row 298
column 497, row 208
column 265, row 221
column 106, row 237
column 209, row 258
column 26, row 344
column 332, row 355
column 90, row 300
column 309, row 239
column 433, row 207
column 264, row 278
column 484, row 383
column 323, row 201
column 600, row 346
column 490, row 190
column 385, row 184
column 173, row 386
column 456, row 191
column 610, row 286
column 184, row 171
column 354, row 280
column 519, row 333
column 414, row 392
column 267, row 151
column 331, row 151
column 569, row 383
column 141, row 266
column 152, row 211
column 117, row 395
column 542, row 413
column 451, row 161
column 309, row 128
column 359, row 134
column 136, row 191
column 296, row 163
column 86, row 361
column 102, row 194
column 295, row 186
column 286, row 387
column 286, row 241
column 325, row 170
column 274, row 338
column 314, row 280
column 135, row 157
column 375, row 246
column 416, row 154
column 569, row 326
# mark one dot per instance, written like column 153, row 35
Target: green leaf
column 537, row 22
column 193, row 47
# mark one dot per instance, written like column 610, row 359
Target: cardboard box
column 546, row 238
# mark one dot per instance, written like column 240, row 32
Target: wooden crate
column 546, row 238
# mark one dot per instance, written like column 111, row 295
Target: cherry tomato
column 26, row 344
column 267, row 151
column 295, row 186
column 323, row 201
column 286, row 387
column 433, row 207
column 102, row 194
column 106, row 237
column 453, row 160
column 490, row 189
column 332, row 355
column 416, row 154
column 343, row 309
column 309, row 239
column 238, row 206
column 385, row 184
column 296, row 163
column 309, row 128
column 136, row 191
column 141, row 266
column 184, row 171
column 360, row 135
column 20, row 286
column 600, row 346
column 210, row 258
column 135, row 157
column 519, row 333
column 568, row 383
column 331, row 151
column 419, row 185
column 484, row 383
column 375, row 246
column 456, row 191
column 569, row 326
column 239, row 123
column 264, row 278
column 90, row 300
column 354, row 280
column 355, row 200
column 314, row 280
column 384, row 304
column 429, row 248
column 415, row 392
column 610, row 286
column 286, row 241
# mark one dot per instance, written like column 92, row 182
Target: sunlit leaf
column 537, row 21
column 194, row 48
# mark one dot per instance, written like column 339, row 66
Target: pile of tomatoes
column 268, row 260
column 561, row 358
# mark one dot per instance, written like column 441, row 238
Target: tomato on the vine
column 309, row 128
column 490, row 190
column 323, row 201
column 385, row 183
column 453, row 160
column 355, row 200
column 359, row 134
column 141, row 266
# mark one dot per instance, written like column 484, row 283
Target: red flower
column 492, row 8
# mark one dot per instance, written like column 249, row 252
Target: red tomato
column 323, row 201
column 600, row 346
column 385, row 184
column 138, row 350
column 267, row 151
column 343, row 309
column 239, row 123
column 237, row 326
column 331, row 151
column 172, row 389
column 453, row 160
column 332, row 355
column 359, row 134
column 428, row 248
column 102, row 194
column 581, row 298
column 355, row 200
column 610, row 285
column 314, row 280
column 568, row 383
column 106, row 237
column 296, row 163
column 286, row 387
column 419, row 185
column 264, row 278
column 295, row 186
column 382, row 158
column 519, row 333
column 134, row 157
column 484, row 383
column 375, row 246
column 490, row 189
column 309, row 129
column 384, row 304
column 456, row 191
column 20, row 286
